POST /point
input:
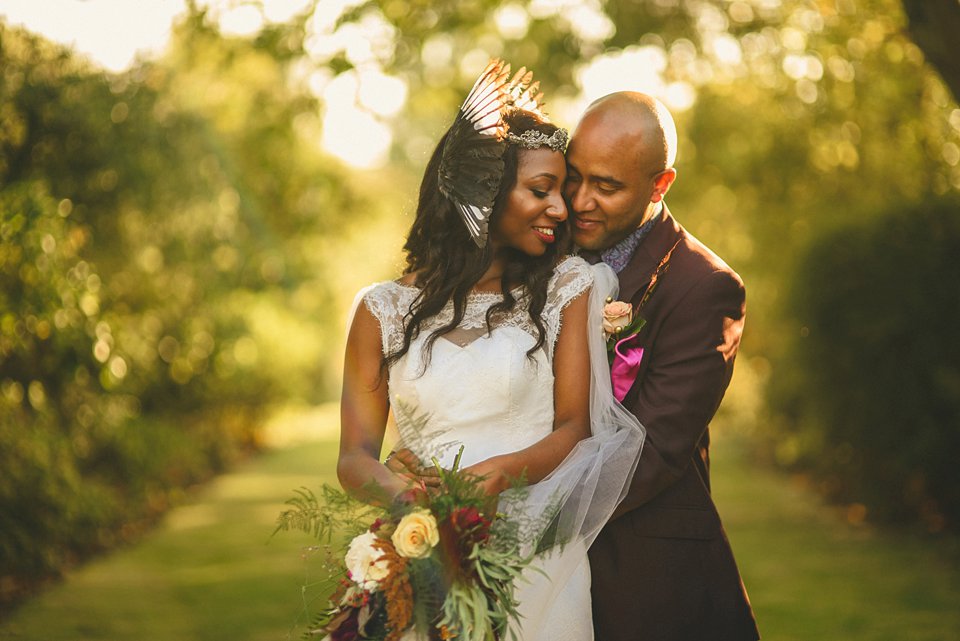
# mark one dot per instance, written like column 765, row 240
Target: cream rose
column 363, row 560
column 616, row 316
column 416, row 535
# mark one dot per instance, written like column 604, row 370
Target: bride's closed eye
column 542, row 187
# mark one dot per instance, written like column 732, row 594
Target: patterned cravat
column 620, row 254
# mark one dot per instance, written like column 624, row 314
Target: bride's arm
column 364, row 406
column 571, row 401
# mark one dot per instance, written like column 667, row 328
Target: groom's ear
column 661, row 184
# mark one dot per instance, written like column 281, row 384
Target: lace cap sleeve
column 386, row 302
column 570, row 279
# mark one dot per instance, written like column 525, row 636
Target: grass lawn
column 211, row 572
column 812, row 575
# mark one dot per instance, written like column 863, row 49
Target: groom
column 662, row 567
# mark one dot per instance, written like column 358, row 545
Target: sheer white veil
column 593, row 478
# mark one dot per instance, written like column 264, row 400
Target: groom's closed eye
column 608, row 188
column 605, row 187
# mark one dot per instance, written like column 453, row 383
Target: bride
column 495, row 335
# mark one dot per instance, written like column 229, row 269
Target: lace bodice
column 390, row 301
column 480, row 389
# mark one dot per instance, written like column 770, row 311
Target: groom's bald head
column 642, row 120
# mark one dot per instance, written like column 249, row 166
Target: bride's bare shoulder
column 409, row 280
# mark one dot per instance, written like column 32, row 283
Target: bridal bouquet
column 437, row 566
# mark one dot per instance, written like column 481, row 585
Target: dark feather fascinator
column 471, row 163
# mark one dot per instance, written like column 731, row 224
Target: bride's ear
column 662, row 183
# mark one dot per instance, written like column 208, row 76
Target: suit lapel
column 636, row 275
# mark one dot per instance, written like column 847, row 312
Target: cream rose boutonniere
column 416, row 535
column 620, row 321
column 363, row 560
column 616, row 316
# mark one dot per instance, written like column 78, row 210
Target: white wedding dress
column 482, row 391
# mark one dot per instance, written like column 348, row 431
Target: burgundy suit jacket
column 662, row 567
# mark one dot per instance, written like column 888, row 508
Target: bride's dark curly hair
column 448, row 263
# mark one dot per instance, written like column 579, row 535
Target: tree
column 161, row 238
column 934, row 25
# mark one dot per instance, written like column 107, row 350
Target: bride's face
column 535, row 207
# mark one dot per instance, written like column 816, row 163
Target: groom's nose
column 578, row 197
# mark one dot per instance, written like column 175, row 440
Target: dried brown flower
column 397, row 591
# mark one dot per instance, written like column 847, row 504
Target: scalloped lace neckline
column 473, row 293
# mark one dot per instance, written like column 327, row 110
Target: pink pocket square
column 626, row 365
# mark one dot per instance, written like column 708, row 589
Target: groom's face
column 608, row 188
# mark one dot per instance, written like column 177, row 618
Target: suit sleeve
column 691, row 365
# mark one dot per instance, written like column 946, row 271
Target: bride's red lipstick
column 547, row 238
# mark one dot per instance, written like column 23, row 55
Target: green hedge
column 112, row 399
column 152, row 231
column 871, row 389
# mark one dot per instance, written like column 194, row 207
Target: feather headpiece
column 471, row 163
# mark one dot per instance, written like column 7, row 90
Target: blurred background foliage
column 179, row 253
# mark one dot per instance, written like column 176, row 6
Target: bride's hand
column 493, row 481
column 405, row 464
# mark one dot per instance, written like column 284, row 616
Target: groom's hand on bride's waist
column 405, row 463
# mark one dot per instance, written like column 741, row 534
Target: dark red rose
column 471, row 522
column 347, row 626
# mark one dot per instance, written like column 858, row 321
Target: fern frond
column 335, row 513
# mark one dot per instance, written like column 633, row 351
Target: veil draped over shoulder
column 593, row 478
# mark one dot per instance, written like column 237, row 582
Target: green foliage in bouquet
column 333, row 512
column 435, row 564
